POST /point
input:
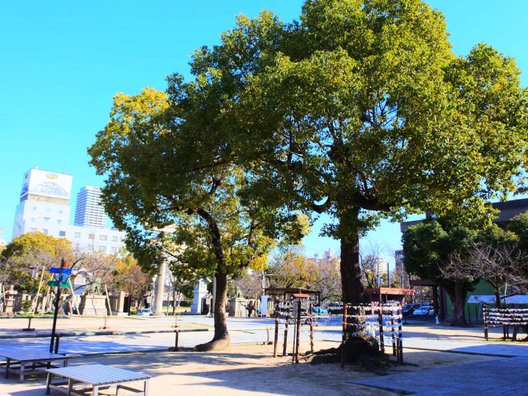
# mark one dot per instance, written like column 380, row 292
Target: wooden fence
column 505, row 317
column 381, row 322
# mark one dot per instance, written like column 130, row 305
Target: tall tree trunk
column 220, row 316
column 458, row 294
column 357, row 346
column 497, row 298
column 220, row 340
column 350, row 270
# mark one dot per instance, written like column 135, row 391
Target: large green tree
column 27, row 258
column 362, row 111
column 177, row 201
column 430, row 247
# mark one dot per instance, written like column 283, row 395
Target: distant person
column 250, row 308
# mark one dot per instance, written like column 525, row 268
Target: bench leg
column 145, row 387
column 48, row 383
column 22, row 366
column 70, row 386
column 8, row 363
column 95, row 390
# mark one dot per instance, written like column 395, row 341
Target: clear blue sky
column 62, row 62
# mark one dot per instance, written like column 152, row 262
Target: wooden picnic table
column 18, row 360
column 97, row 377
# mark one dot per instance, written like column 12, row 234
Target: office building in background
column 89, row 210
column 45, row 207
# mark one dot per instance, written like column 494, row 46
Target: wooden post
column 46, row 299
column 344, row 335
column 485, row 320
column 310, row 310
column 108, row 300
column 285, row 343
column 392, row 333
column 176, row 339
column 382, row 341
column 276, row 338
column 74, row 299
column 400, row 336
column 298, row 336
column 34, row 305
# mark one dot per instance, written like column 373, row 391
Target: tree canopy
column 27, row 255
column 177, row 208
column 431, row 246
column 361, row 110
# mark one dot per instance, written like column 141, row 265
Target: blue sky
column 63, row 61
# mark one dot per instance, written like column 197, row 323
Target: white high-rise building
column 90, row 210
column 45, row 207
column 44, row 203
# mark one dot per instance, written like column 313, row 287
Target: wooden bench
column 93, row 378
column 24, row 360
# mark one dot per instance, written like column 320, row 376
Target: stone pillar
column 121, row 302
column 10, row 300
column 264, row 305
column 200, row 292
column 159, row 289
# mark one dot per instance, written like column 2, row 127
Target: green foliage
column 428, row 246
column 362, row 111
column 359, row 110
column 290, row 268
column 129, row 277
column 26, row 256
column 155, row 180
column 519, row 225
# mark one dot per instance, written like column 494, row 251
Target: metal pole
column 57, row 300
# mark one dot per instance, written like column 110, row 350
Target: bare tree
column 498, row 265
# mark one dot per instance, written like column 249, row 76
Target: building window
column 46, row 219
column 59, row 221
column 103, row 237
column 114, row 239
column 76, row 234
column 33, row 230
column 33, row 219
column 113, row 249
column 62, row 233
column 102, row 248
column 45, row 231
column 91, row 236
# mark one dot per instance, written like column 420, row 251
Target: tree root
column 360, row 353
column 219, row 344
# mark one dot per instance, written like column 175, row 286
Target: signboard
column 55, row 270
column 56, row 283
column 45, row 183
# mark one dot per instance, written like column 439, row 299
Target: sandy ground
column 244, row 370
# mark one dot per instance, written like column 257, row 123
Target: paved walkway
column 495, row 377
column 500, row 374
